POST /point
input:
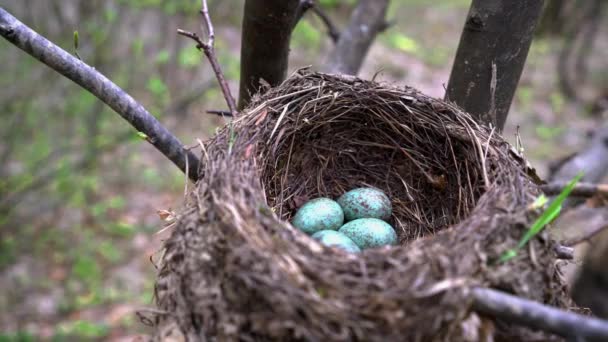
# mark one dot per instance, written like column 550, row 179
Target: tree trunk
column 266, row 32
column 367, row 20
column 493, row 48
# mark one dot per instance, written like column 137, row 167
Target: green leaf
column 508, row 255
column 142, row 135
column 75, row 40
column 540, row 202
column 552, row 211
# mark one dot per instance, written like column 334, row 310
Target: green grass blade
column 544, row 219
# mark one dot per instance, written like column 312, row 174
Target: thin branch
column 97, row 84
column 538, row 316
column 306, row 5
column 303, row 7
column 332, row 30
column 580, row 189
column 219, row 112
column 209, row 51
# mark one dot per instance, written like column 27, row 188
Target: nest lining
column 234, row 268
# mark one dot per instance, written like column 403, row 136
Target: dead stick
column 209, row 51
column 580, row 189
column 538, row 316
column 97, row 84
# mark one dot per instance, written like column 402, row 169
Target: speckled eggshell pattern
column 336, row 239
column 365, row 203
column 369, row 233
column 319, row 214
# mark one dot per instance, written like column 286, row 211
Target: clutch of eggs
column 363, row 210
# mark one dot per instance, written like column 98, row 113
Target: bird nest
column 234, row 267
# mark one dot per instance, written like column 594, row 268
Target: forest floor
column 110, row 242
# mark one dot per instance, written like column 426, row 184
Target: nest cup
column 235, row 269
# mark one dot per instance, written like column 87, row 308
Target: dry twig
column 209, row 51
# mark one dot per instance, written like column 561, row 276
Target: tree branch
column 332, row 30
column 491, row 55
column 367, row 20
column 580, row 189
column 538, row 316
column 209, row 51
column 90, row 79
column 305, row 5
column 266, row 32
column 591, row 159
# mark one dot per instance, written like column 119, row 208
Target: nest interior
column 234, row 268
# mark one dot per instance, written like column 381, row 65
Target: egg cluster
column 363, row 209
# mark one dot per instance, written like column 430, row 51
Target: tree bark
column 90, row 79
column 266, row 32
column 367, row 20
column 491, row 55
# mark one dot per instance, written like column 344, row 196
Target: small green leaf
column 142, row 135
column 539, row 202
column 552, row 211
column 508, row 255
column 75, row 40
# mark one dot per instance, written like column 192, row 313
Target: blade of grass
column 545, row 218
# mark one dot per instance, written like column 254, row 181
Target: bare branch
column 367, row 20
column 538, row 316
column 209, row 51
column 332, row 30
column 591, row 159
column 305, row 5
column 219, row 112
column 580, row 189
column 97, row 84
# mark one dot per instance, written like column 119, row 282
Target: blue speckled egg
column 333, row 238
column 318, row 214
column 369, row 233
column 365, row 203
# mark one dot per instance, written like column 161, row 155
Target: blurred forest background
column 80, row 190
